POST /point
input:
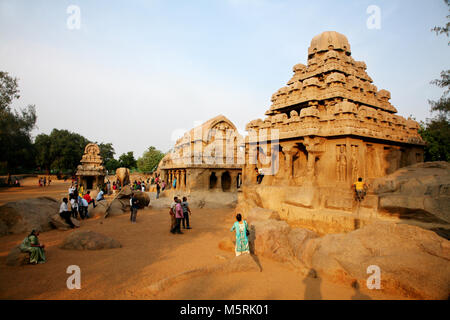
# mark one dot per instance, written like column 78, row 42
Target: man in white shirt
column 64, row 212
column 100, row 196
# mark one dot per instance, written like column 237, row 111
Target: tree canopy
column 436, row 131
column 127, row 160
column 150, row 160
column 61, row 150
column 16, row 147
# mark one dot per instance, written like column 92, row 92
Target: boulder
column 270, row 239
column 420, row 192
column 17, row 258
column 121, row 203
column 60, row 224
column 89, row 240
column 414, row 262
column 99, row 210
column 25, row 215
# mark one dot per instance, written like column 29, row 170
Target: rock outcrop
column 25, row 215
column 59, row 223
column 414, row 262
column 420, row 192
column 89, row 240
column 121, row 203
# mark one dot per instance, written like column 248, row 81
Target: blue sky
column 139, row 73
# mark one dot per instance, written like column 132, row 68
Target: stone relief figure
column 341, row 163
column 355, row 163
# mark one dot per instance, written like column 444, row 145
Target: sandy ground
column 151, row 253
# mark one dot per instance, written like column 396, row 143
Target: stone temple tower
column 328, row 126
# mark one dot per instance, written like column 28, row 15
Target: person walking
column 134, row 206
column 158, row 190
column 64, row 212
column 186, row 213
column 242, row 233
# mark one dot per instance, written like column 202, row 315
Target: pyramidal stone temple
column 326, row 128
column 91, row 172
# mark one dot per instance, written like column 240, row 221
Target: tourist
column 178, row 216
column 259, row 175
column 83, row 207
column 17, row 183
column 108, row 187
column 143, row 187
column 163, row 185
column 88, row 198
column 114, row 187
column 360, row 189
column 153, row 180
column 172, row 214
column 64, row 212
column 74, row 206
column 81, row 190
column 134, row 206
column 49, row 181
column 241, row 229
column 100, row 196
column 45, row 181
column 186, row 213
column 174, row 185
column 40, row 182
column 31, row 244
column 158, row 190
column 71, row 190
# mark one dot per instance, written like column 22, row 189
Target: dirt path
column 29, row 189
column 151, row 253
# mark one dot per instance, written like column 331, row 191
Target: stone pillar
column 289, row 151
column 183, row 176
column 178, row 179
column 219, row 180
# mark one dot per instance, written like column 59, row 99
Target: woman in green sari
column 241, row 227
column 31, row 244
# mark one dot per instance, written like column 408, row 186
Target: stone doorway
column 89, row 182
column 212, row 180
column 226, row 181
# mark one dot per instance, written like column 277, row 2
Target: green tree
column 61, row 150
column 436, row 131
column 112, row 165
column 149, row 160
column 106, row 151
column 16, row 148
column 127, row 160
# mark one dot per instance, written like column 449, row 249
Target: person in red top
column 88, row 198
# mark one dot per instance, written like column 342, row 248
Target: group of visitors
column 9, row 181
column 44, row 181
column 139, row 185
column 179, row 214
column 79, row 204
